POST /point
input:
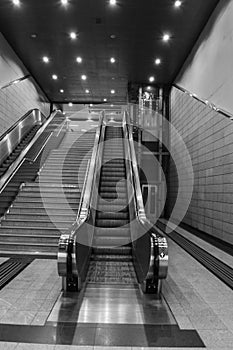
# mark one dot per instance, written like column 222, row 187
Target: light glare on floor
column 112, row 91
column 84, row 77
column 157, row 61
column 54, row 76
column 151, row 79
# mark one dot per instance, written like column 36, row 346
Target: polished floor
column 196, row 311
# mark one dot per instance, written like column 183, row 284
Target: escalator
column 18, row 149
column 113, row 243
column 111, row 259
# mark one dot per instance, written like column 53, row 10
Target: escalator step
column 112, row 207
column 111, row 242
column 110, row 232
column 111, row 222
column 112, row 189
column 109, row 215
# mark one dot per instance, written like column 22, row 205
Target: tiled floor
column 29, row 298
column 197, row 299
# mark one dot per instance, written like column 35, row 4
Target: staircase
column 45, row 208
column 27, row 171
column 111, row 261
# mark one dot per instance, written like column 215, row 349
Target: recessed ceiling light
column 166, row 37
column 87, row 91
column 105, row 100
column 70, row 104
column 152, row 79
column 178, row 3
column 73, row 35
column 64, row 2
column 33, row 35
column 113, row 36
column 55, row 77
column 79, row 59
column 158, row 61
column 112, row 60
column 84, row 77
column 16, row 2
column 61, row 91
column 45, row 59
column 113, row 91
column 112, row 2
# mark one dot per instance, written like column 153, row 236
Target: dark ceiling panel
column 138, row 26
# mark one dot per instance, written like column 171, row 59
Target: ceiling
column 40, row 28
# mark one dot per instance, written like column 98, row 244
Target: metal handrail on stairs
column 5, row 179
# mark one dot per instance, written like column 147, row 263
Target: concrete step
column 35, row 223
column 48, row 194
column 31, row 230
column 42, row 205
column 11, row 216
column 45, row 200
column 19, row 238
column 28, row 247
column 60, row 211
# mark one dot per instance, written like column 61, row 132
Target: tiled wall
column 209, row 139
column 17, row 99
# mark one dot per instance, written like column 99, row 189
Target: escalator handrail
column 158, row 240
column 20, row 121
column 4, row 180
column 32, row 160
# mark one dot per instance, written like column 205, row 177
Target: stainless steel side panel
column 11, row 139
